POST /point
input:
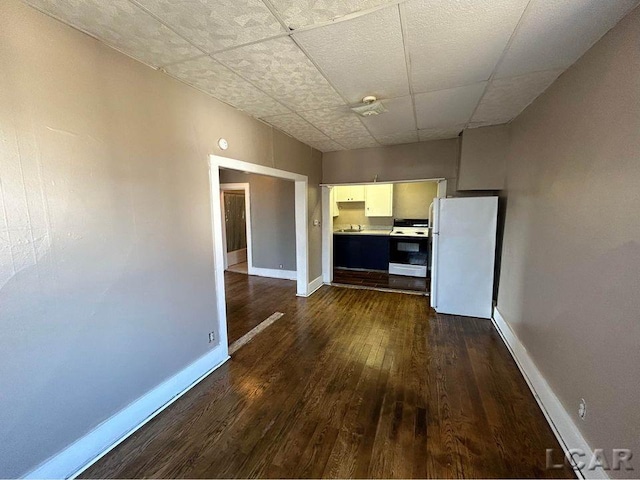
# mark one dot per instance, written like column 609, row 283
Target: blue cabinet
column 369, row 252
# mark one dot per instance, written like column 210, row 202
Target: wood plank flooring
column 252, row 299
column 350, row 383
column 379, row 280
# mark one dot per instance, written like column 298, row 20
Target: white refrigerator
column 463, row 255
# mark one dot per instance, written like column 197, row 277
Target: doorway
column 301, row 287
column 236, row 233
column 377, row 235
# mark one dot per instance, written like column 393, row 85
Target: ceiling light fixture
column 370, row 106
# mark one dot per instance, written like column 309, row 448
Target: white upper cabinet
column 378, row 200
column 333, row 202
column 350, row 193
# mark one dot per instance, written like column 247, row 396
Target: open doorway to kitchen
column 275, row 218
column 236, row 231
column 378, row 235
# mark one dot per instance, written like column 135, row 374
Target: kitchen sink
column 348, row 230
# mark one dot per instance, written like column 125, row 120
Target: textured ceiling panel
column 217, row 80
column 446, row 108
column 216, row 24
column 397, row 138
column 124, row 26
column 457, row 43
column 452, row 48
column 440, row 133
column 339, row 121
column 507, row 97
column 280, row 68
column 363, row 56
column 325, row 145
column 297, row 127
column 299, row 13
column 555, row 33
column 351, row 143
column 398, row 118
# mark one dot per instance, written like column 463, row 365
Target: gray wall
column 570, row 273
column 413, row 161
column 106, row 270
column 483, row 158
column 273, row 222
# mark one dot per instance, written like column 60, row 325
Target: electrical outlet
column 281, row 266
column 582, row 408
column 212, row 337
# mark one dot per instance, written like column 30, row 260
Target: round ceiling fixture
column 370, row 106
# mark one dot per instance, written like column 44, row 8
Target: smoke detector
column 370, row 106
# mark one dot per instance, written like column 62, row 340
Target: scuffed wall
column 570, row 272
column 106, row 269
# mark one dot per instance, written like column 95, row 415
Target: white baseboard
column 563, row 426
column 314, row 285
column 87, row 450
column 274, row 273
column 237, row 256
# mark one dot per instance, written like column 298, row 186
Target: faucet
column 359, row 228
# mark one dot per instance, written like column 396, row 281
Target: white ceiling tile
column 351, row 143
column 362, row 56
column 297, row 127
column 216, row 24
column 397, row 138
column 325, row 145
column 340, row 121
column 505, row 98
column 398, row 117
column 122, row 25
column 217, row 80
column 453, row 43
column 555, row 33
column 440, row 133
column 447, row 108
column 300, row 13
column 279, row 67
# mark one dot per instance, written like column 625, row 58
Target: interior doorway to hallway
column 236, row 226
column 289, row 276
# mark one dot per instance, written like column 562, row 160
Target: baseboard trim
column 274, row 273
column 563, row 426
column 87, row 450
column 314, row 285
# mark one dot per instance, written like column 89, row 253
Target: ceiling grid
column 438, row 66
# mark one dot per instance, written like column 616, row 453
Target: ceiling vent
column 370, row 106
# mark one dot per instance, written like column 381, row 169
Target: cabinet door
column 378, row 200
column 356, row 193
column 342, row 193
column 333, row 202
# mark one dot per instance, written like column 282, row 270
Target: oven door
column 409, row 250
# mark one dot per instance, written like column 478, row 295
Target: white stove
column 409, row 247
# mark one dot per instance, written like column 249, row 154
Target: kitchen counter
column 379, row 232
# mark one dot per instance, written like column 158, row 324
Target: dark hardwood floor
column 250, row 300
column 379, row 280
column 350, row 383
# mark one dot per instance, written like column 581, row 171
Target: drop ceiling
column 438, row 66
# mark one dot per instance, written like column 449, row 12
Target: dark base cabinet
column 361, row 251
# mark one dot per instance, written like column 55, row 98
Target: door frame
column 327, row 224
column 247, row 213
column 301, row 221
